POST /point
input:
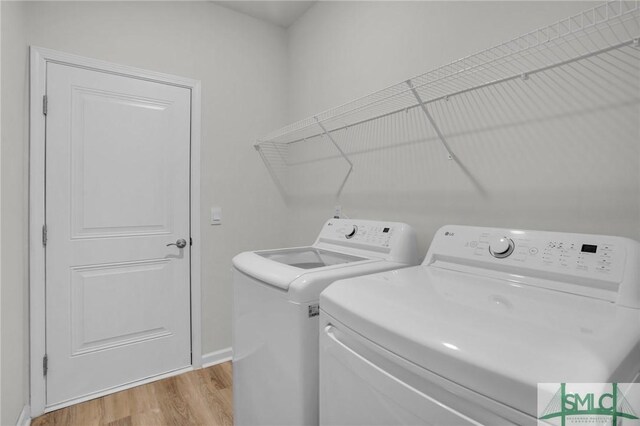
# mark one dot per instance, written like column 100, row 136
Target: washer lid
column 281, row 267
column 308, row 257
column 496, row 337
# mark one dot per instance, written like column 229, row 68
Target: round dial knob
column 501, row 247
column 351, row 231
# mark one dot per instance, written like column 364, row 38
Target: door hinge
column 190, row 241
column 44, row 235
column 45, row 365
column 45, row 104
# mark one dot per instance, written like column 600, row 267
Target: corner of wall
column 25, row 417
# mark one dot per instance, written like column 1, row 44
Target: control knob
column 501, row 247
column 351, row 231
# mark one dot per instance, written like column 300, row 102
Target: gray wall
column 576, row 173
column 14, row 391
column 555, row 153
column 242, row 65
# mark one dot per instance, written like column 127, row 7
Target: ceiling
column 281, row 13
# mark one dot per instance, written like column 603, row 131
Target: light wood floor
column 200, row 397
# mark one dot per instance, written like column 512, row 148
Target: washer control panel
column 357, row 231
column 392, row 241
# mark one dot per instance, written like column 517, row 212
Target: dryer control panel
column 391, row 240
column 599, row 258
column 591, row 265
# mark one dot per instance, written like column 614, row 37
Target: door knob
column 181, row 243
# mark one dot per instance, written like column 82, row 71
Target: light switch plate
column 216, row 215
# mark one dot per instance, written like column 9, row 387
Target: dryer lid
column 495, row 337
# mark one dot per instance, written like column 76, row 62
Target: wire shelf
column 594, row 49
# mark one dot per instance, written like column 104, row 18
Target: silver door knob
column 181, row 243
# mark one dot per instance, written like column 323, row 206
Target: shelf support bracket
column 257, row 146
column 345, row 156
column 430, row 118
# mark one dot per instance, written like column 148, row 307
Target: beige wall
column 242, row 65
column 535, row 158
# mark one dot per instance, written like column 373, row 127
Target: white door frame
column 39, row 58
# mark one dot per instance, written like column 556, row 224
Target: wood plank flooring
column 200, row 397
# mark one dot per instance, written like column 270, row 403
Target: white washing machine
column 275, row 314
column 466, row 337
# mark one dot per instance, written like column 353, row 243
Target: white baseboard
column 25, row 417
column 217, row 357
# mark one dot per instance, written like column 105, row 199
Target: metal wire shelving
column 604, row 41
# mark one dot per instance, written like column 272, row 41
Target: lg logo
column 448, row 234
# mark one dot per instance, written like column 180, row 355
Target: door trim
column 39, row 57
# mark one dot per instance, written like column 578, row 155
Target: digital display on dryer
column 385, row 230
column 589, row 248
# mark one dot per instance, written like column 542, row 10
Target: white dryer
column 466, row 337
column 275, row 314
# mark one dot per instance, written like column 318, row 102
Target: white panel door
column 117, row 192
